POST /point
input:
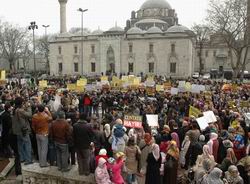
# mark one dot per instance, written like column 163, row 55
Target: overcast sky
column 103, row 13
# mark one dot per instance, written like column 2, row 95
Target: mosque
column 153, row 42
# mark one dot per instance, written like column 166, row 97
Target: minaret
column 63, row 28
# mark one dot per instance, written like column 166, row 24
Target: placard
column 209, row 115
column 71, row 87
column 43, row 84
column 132, row 121
column 3, row 75
column 104, row 78
column 152, row 120
column 159, row 88
column 195, row 88
column 202, row 122
column 81, row 82
column 174, row 91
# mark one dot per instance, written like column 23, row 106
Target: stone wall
column 33, row 174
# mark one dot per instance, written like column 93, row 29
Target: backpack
column 119, row 131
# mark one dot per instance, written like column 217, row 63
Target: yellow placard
column 194, row 112
column 43, row 84
column 115, row 79
column 71, row 87
column 159, row 88
column 188, row 86
column 81, row 82
column 79, row 88
column 125, row 78
column 167, row 85
column 3, row 73
column 136, row 81
column 104, row 78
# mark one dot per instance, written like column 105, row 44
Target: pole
column 34, row 51
column 82, row 43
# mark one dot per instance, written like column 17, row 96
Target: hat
column 103, row 152
column 111, row 160
column 202, row 138
column 227, row 144
column 224, row 134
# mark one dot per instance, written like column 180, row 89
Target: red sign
column 133, row 121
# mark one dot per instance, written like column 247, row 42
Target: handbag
column 169, row 163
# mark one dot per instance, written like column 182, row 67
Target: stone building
column 151, row 42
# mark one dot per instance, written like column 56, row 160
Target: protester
column 101, row 172
column 232, row 175
column 40, row 125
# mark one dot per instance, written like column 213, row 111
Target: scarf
column 173, row 150
column 107, row 130
column 156, row 151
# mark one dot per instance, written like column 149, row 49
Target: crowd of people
column 87, row 129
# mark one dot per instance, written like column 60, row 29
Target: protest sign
column 43, row 84
column 195, row 88
column 152, row 120
column 132, row 121
column 202, row 88
column 202, row 122
column 104, row 78
column 81, row 82
column 194, row 112
column 174, row 91
column 71, row 87
column 209, row 115
column 159, row 88
column 3, row 75
column 182, row 84
column 188, row 86
column 244, row 103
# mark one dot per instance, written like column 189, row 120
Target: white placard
column 202, row 88
column 182, row 84
column 195, row 88
column 174, row 91
column 202, row 122
column 209, row 115
column 152, row 120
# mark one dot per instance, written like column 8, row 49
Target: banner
column 132, row 121
column 81, row 82
column 43, row 84
column 174, row 91
column 104, row 78
column 71, row 87
column 3, row 75
column 159, row 88
column 194, row 111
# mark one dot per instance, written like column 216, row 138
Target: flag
column 194, row 112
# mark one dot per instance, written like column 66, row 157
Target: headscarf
column 156, row 151
column 231, row 156
column 231, row 177
column 213, row 136
column 175, row 138
column 206, row 151
column 107, row 130
column 147, row 138
column 214, row 177
column 102, row 152
column 101, row 162
column 173, row 150
column 202, row 138
column 238, row 142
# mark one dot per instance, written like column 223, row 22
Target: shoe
column 28, row 163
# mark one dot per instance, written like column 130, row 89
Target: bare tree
column 13, row 41
column 228, row 19
column 202, row 36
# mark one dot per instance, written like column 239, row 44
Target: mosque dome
column 143, row 21
column 134, row 30
column 150, row 4
column 177, row 29
column 116, row 29
column 154, row 29
column 97, row 32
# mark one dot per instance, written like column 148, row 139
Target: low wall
column 33, row 174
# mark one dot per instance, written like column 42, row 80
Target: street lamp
column 46, row 55
column 33, row 26
column 82, row 11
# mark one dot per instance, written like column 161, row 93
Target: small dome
column 177, row 29
column 154, row 29
column 150, row 4
column 134, row 30
column 97, row 32
column 116, row 29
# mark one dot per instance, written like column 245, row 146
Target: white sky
column 103, row 13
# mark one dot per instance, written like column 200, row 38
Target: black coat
column 153, row 170
column 83, row 135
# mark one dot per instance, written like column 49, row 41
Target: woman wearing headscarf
column 107, row 135
column 171, row 164
column 175, row 138
column 101, row 172
column 131, row 163
column 230, row 159
column 146, row 148
column 232, row 176
column 153, row 166
column 205, row 155
column 184, row 148
column 213, row 144
column 207, row 166
column 213, row 177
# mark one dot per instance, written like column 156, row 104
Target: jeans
column 24, row 148
column 42, row 148
column 62, row 156
column 83, row 159
column 130, row 178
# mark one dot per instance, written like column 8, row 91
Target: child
column 116, row 168
column 101, row 173
column 102, row 154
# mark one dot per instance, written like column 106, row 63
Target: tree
column 228, row 19
column 202, row 36
column 13, row 41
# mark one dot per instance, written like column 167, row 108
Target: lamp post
column 46, row 55
column 33, row 26
column 82, row 11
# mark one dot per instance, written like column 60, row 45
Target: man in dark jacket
column 83, row 139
